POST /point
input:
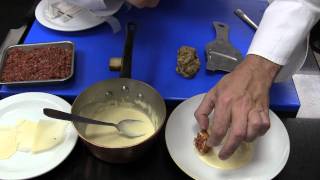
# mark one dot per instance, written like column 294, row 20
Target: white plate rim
column 72, row 133
column 39, row 14
column 190, row 174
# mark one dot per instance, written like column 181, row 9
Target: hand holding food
column 209, row 155
column 201, row 142
column 241, row 105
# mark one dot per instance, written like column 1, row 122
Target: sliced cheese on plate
column 49, row 133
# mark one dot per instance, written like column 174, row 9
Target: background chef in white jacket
column 241, row 98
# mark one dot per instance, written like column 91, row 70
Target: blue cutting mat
column 161, row 31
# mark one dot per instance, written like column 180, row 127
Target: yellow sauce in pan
column 109, row 136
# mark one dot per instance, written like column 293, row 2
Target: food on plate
column 8, row 142
column 30, row 136
column 109, row 136
column 49, row 133
column 240, row 157
column 25, row 134
column 200, row 142
column 42, row 63
column 210, row 155
column 115, row 64
column 188, row 63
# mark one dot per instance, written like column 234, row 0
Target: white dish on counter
column 271, row 151
column 81, row 21
column 25, row 165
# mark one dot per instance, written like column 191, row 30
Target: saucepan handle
column 128, row 48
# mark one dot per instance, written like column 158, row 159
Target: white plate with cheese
column 269, row 153
column 34, row 144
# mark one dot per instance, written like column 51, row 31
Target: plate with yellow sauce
column 32, row 144
column 263, row 159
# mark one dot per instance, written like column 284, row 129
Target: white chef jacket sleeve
column 285, row 25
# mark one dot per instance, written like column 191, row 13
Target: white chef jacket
column 282, row 36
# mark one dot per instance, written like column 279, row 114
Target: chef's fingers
column 220, row 121
column 254, row 125
column 205, row 108
column 265, row 120
column 238, row 129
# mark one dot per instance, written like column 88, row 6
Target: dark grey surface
column 317, row 58
column 304, row 159
column 14, row 13
column 311, row 65
column 313, row 60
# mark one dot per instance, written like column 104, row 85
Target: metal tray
column 28, row 47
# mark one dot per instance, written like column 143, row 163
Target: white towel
column 89, row 4
column 99, row 8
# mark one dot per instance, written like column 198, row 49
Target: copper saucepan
column 140, row 94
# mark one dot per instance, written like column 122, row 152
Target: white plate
column 81, row 21
column 271, row 151
column 29, row 106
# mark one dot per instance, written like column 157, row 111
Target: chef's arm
column 241, row 99
column 284, row 25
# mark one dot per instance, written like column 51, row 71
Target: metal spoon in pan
column 123, row 126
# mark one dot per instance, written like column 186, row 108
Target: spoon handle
column 71, row 117
column 246, row 19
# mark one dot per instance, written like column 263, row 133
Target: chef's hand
column 241, row 105
column 144, row 3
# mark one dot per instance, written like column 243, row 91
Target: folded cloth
column 62, row 9
column 97, row 7
column 114, row 23
column 89, row 4
column 113, row 6
column 103, row 9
